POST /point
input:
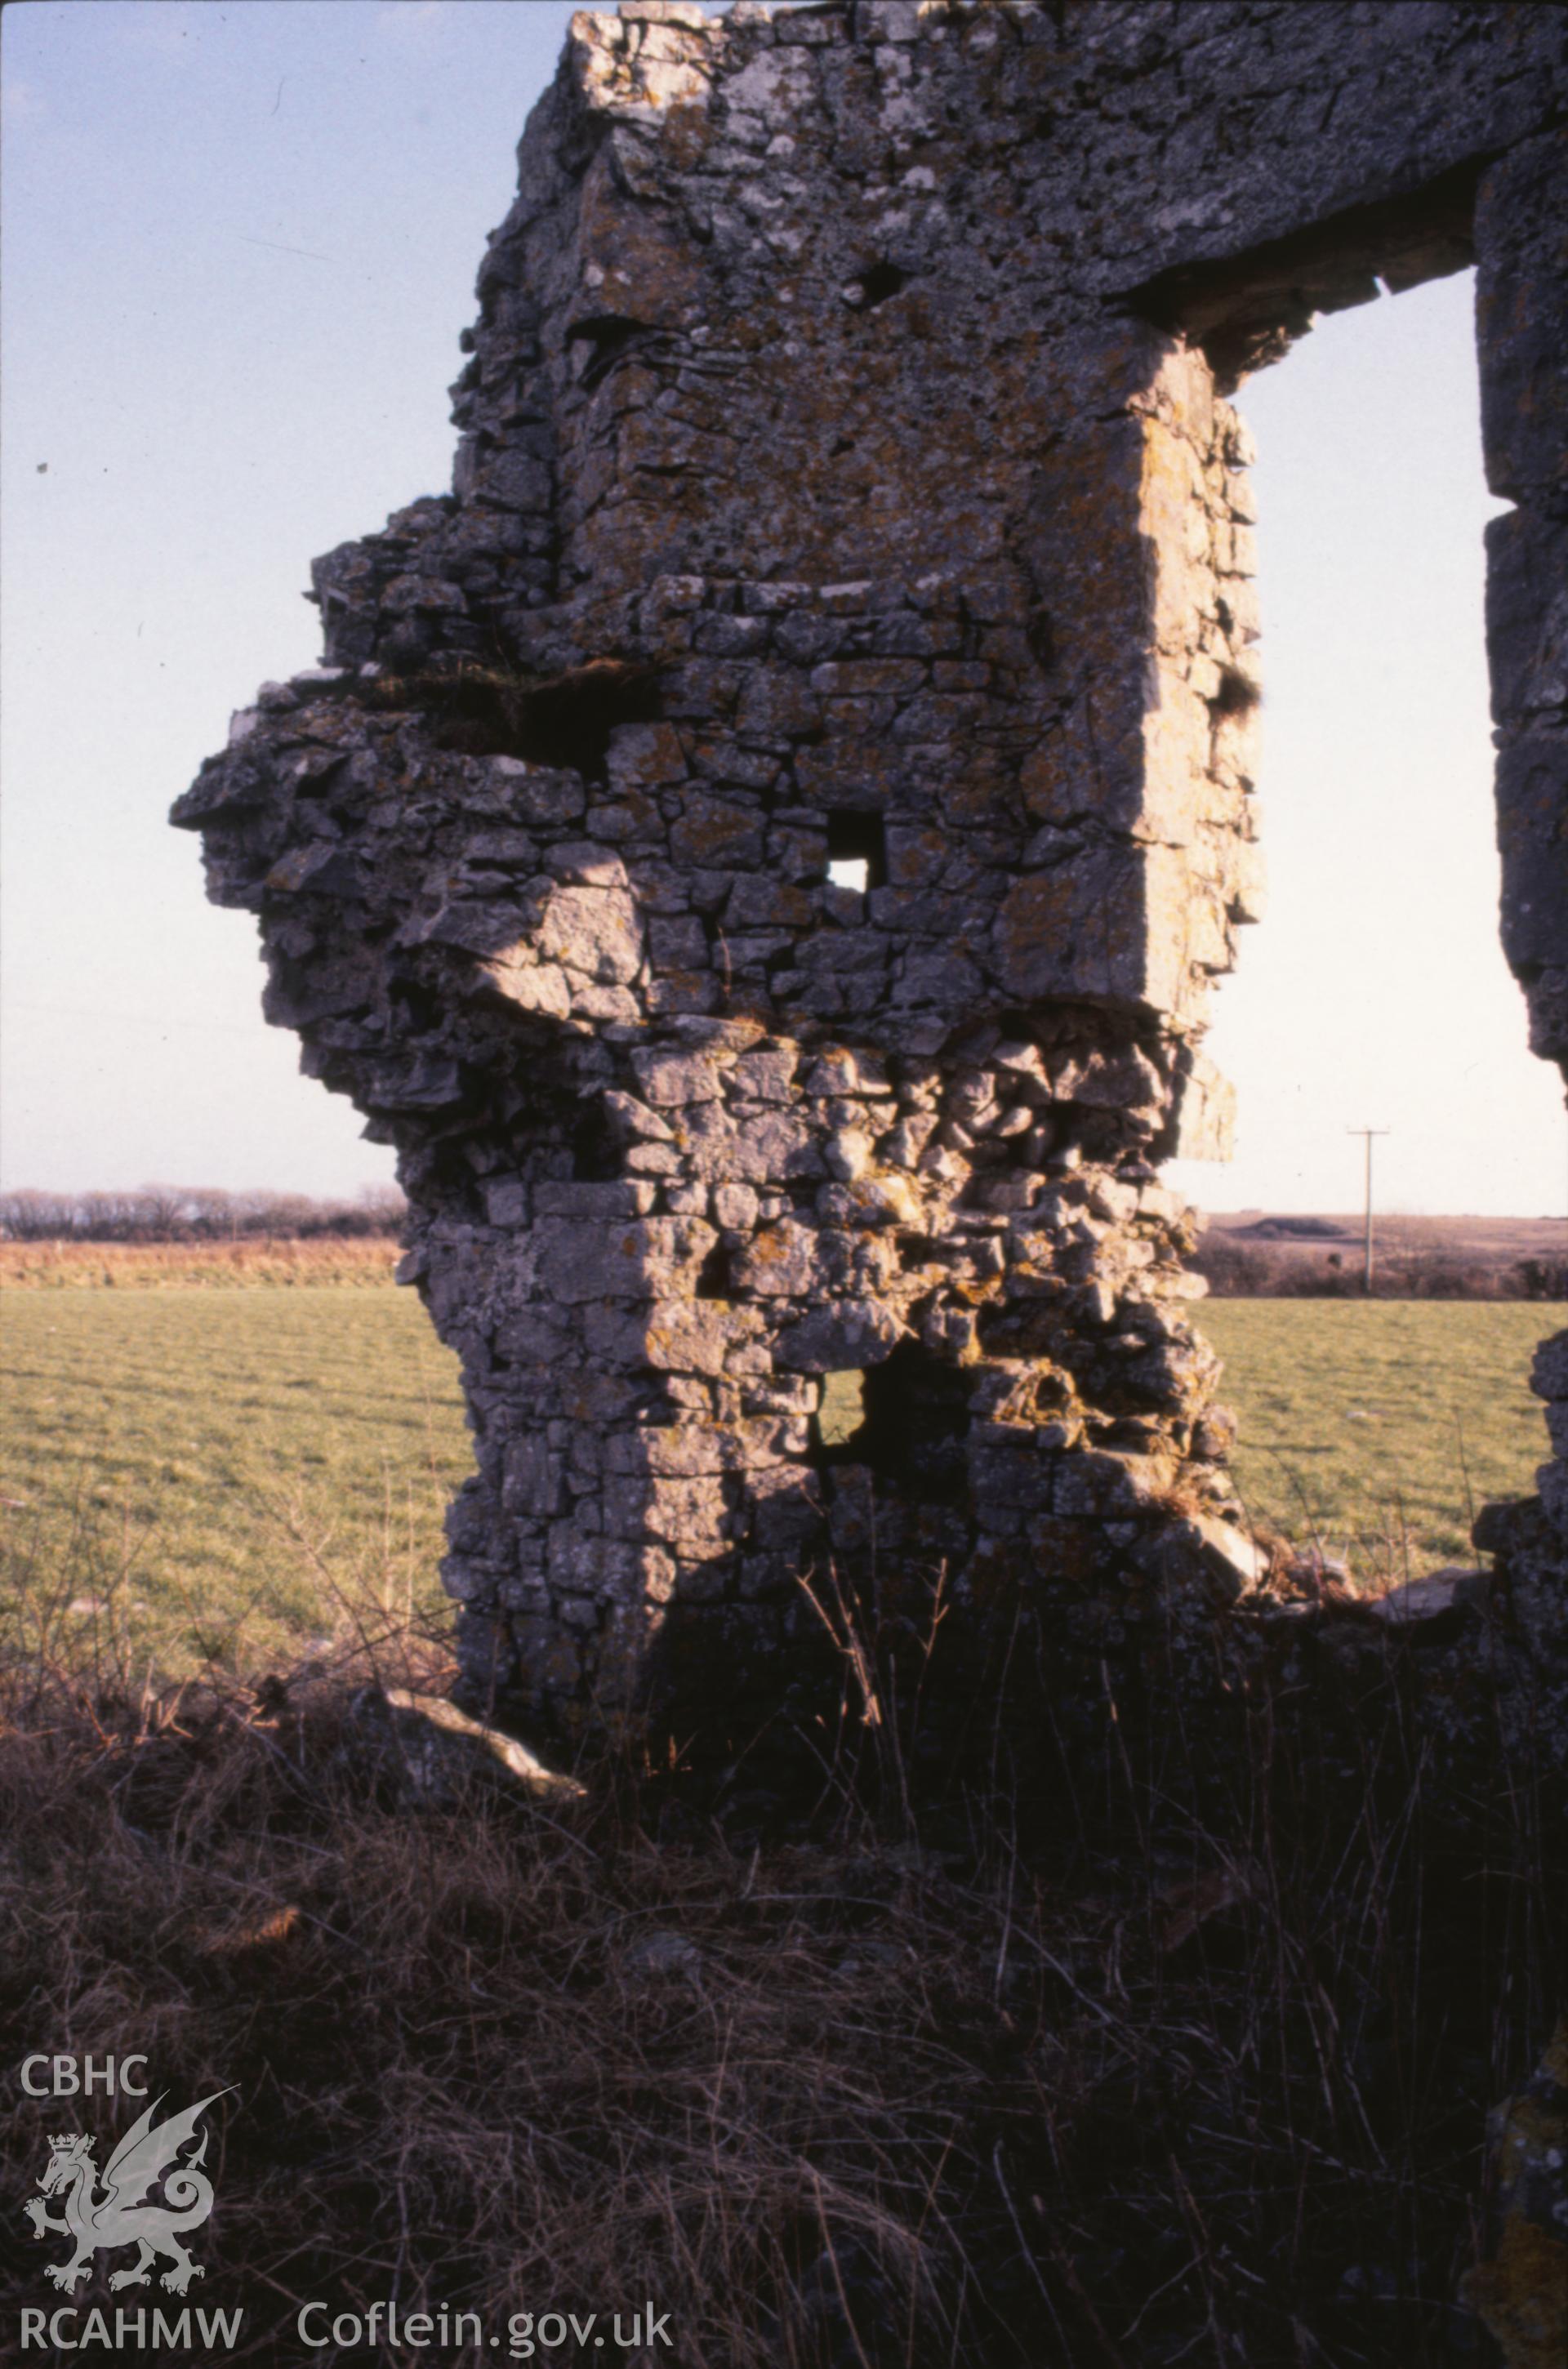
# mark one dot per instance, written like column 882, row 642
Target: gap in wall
column 1375, row 991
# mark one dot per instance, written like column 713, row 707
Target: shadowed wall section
column 845, row 467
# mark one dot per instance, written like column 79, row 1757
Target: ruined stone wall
column 845, row 472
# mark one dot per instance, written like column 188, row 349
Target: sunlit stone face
column 764, row 843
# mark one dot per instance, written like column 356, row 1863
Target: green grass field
column 1380, row 1427
column 247, row 1474
column 231, row 1473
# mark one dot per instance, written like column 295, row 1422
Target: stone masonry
column 846, row 477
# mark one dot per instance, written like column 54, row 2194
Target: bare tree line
column 181, row 1213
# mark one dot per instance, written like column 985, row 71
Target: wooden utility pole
column 1366, row 1238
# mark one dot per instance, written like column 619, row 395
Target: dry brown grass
column 494, row 2056
column 837, row 2090
column 264, row 1259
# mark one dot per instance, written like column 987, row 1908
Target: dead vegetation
column 1003, row 2078
column 264, row 1259
column 1245, row 1257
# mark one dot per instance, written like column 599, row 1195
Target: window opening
column 857, row 851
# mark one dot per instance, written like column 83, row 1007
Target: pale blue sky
column 240, row 244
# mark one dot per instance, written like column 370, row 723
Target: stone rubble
column 1521, row 2293
column 846, row 477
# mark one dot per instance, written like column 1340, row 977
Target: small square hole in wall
column 857, row 851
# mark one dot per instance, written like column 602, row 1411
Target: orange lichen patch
column 1522, row 2298
column 247, row 1933
column 687, row 135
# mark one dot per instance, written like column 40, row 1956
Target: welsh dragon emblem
column 120, row 2212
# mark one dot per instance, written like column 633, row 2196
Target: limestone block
column 768, row 1145
column 689, row 1513
column 594, row 930
column 1122, row 1081
column 533, row 1476
column 518, row 975
column 1007, row 1471
column 617, row 1198
column 783, row 1261
column 534, row 792
column 1551, row 1484
column 1076, row 930
column 1526, row 616
column 736, row 1208
column 505, row 1201
column 700, row 1336
column 684, row 1450
column 849, row 1152
column 651, row 1258
column 1433, row 1596
column 634, row 1118
column 1200, row 1547
column 1549, row 1369
column 1204, row 1112
column 1522, row 318
column 669, row 1079
column 778, row 89
column 1532, row 838
column 839, row 1337
column 1109, row 1485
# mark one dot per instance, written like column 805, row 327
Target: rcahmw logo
column 150, row 2195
